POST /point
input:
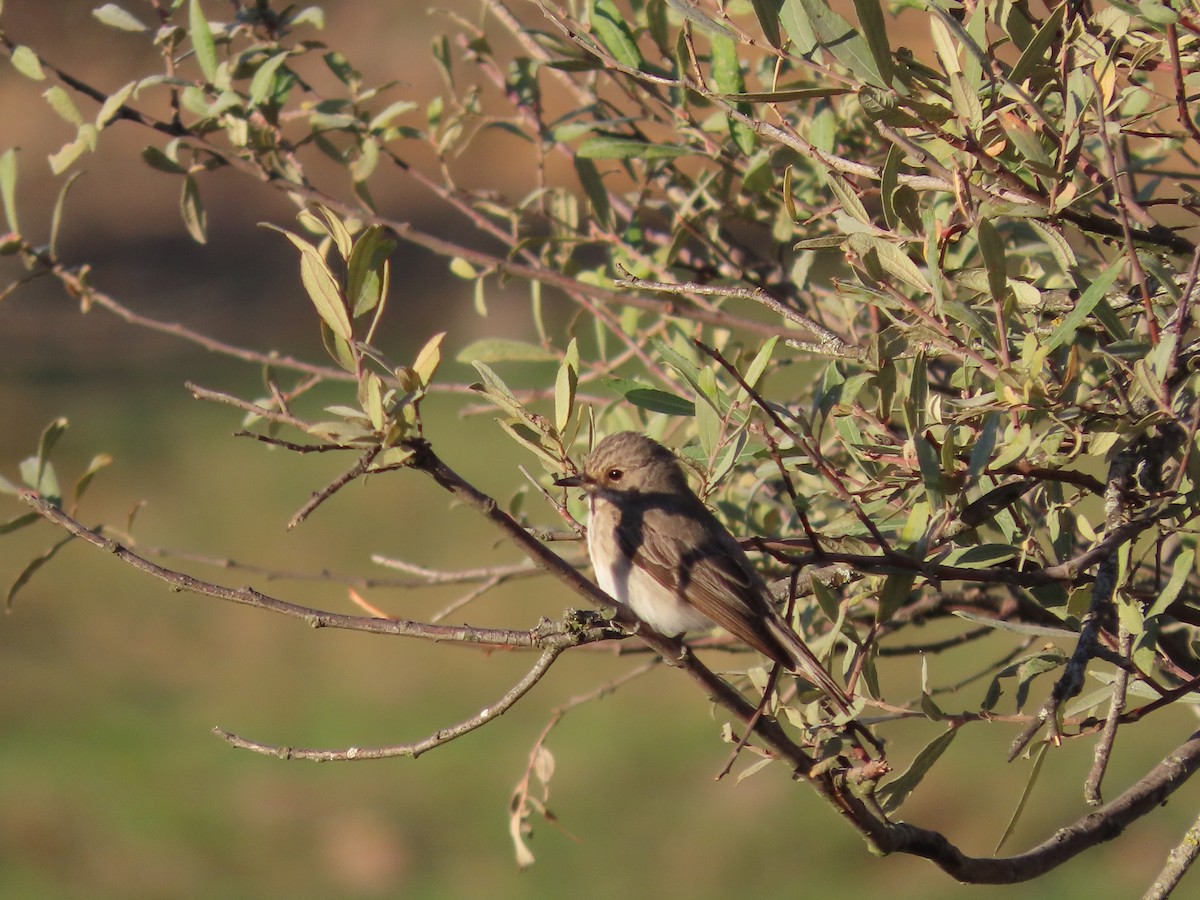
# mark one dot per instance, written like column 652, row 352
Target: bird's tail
column 806, row 663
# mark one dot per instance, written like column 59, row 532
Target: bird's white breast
column 658, row 606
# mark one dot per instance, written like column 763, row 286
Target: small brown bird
column 657, row 549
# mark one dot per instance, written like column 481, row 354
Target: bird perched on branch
column 658, row 550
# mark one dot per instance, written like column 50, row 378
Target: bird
column 657, row 549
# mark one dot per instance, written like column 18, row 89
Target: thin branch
column 1104, row 747
column 415, row 748
column 1179, row 860
column 545, row 636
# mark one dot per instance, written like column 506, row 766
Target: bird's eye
column 614, row 474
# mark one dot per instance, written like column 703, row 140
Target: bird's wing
column 702, row 564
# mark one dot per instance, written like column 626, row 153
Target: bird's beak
column 569, row 481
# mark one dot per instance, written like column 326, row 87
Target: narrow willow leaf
column 1039, row 756
column 991, row 246
column 835, row 34
column 565, row 383
column 114, row 16
column 614, row 34
column 931, row 472
column 727, row 74
column 25, row 61
column 8, row 187
column 660, row 401
column 980, row 556
column 1035, row 53
column 99, row 461
column 497, row 391
column 1017, row 627
column 870, row 17
column 788, row 95
column 263, row 83
column 892, row 595
column 112, row 105
column 60, row 101
column 1182, row 568
column 848, row 197
column 1091, row 297
column 19, row 522
column 367, row 269
column 157, row 159
column 202, row 41
column 66, row 156
column 428, row 360
column 593, row 186
column 322, row 289
column 767, row 13
column 985, row 443
column 893, row 794
column 605, row 147
column 492, row 350
column 321, row 286
column 192, row 209
column 28, row 572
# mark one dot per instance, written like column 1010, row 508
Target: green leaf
column 156, row 159
column 192, row 209
column 320, row 284
column 985, row 443
column 612, row 32
column 28, row 572
column 1181, row 569
column 1035, row 53
column 112, row 105
column 19, row 522
column 565, row 383
column 727, row 74
column 60, row 101
column 991, row 246
column 660, row 401
column 25, row 61
column 202, row 41
column 1039, row 756
column 593, row 186
column 367, row 269
column 497, row 391
column 814, row 20
column 46, row 443
column 606, row 147
column 870, row 17
column 981, row 556
column 1092, row 296
column 892, row 595
column 99, row 461
column 428, row 360
column 931, row 472
column 8, row 187
column 56, row 216
column 1017, row 627
column 263, row 83
column 767, row 13
column 68, row 153
column 492, row 350
column 114, row 16
column 893, row 794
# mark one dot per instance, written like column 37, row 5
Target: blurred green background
column 111, row 784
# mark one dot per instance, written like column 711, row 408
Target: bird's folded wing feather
column 710, row 576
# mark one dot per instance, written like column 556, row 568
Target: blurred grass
column 112, row 786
